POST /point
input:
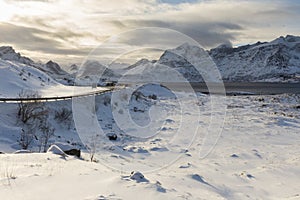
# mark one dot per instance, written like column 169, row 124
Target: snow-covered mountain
column 73, row 68
column 138, row 63
column 51, row 68
column 278, row 60
column 19, row 73
column 94, row 72
column 178, row 59
column 15, row 77
column 56, row 72
column 8, row 53
column 275, row 61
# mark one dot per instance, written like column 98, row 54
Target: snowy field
column 256, row 157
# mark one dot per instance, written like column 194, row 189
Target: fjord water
column 256, row 88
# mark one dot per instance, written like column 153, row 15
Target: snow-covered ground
column 256, row 157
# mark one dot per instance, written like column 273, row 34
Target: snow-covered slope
column 8, row 53
column 173, row 66
column 51, row 68
column 73, row 69
column 278, row 59
column 56, row 72
column 93, row 72
column 15, row 77
column 178, row 59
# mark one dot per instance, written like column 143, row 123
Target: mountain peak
column 6, row 50
column 224, row 46
column 186, row 47
column 288, row 39
column 50, row 62
column 186, row 50
column 53, row 67
column 292, row 37
column 73, row 67
column 8, row 53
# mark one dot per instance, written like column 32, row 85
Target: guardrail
column 46, row 99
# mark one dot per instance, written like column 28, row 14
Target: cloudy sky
column 67, row 30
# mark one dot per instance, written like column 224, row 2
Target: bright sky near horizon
column 66, row 30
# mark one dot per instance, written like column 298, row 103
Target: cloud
column 32, row 39
column 64, row 27
column 14, row 1
column 208, row 34
column 25, row 37
column 214, row 22
column 177, row 1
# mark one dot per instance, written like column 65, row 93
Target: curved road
column 45, row 99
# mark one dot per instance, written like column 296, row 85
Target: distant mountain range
column 278, row 60
column 275, row 61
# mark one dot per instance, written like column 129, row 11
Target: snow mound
column 22, row 151
column 56, row 150
column 64, row 146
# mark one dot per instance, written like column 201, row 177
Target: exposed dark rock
column 138, row 177
column 112, row 136
column 234, row 156
column 73, row 152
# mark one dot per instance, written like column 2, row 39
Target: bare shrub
column 26, row 136
column 30, row 114
column 64, row 116
column 30, row 110
column 46, row 133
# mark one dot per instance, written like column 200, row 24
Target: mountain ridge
column 274, row 61
column 8, row 53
